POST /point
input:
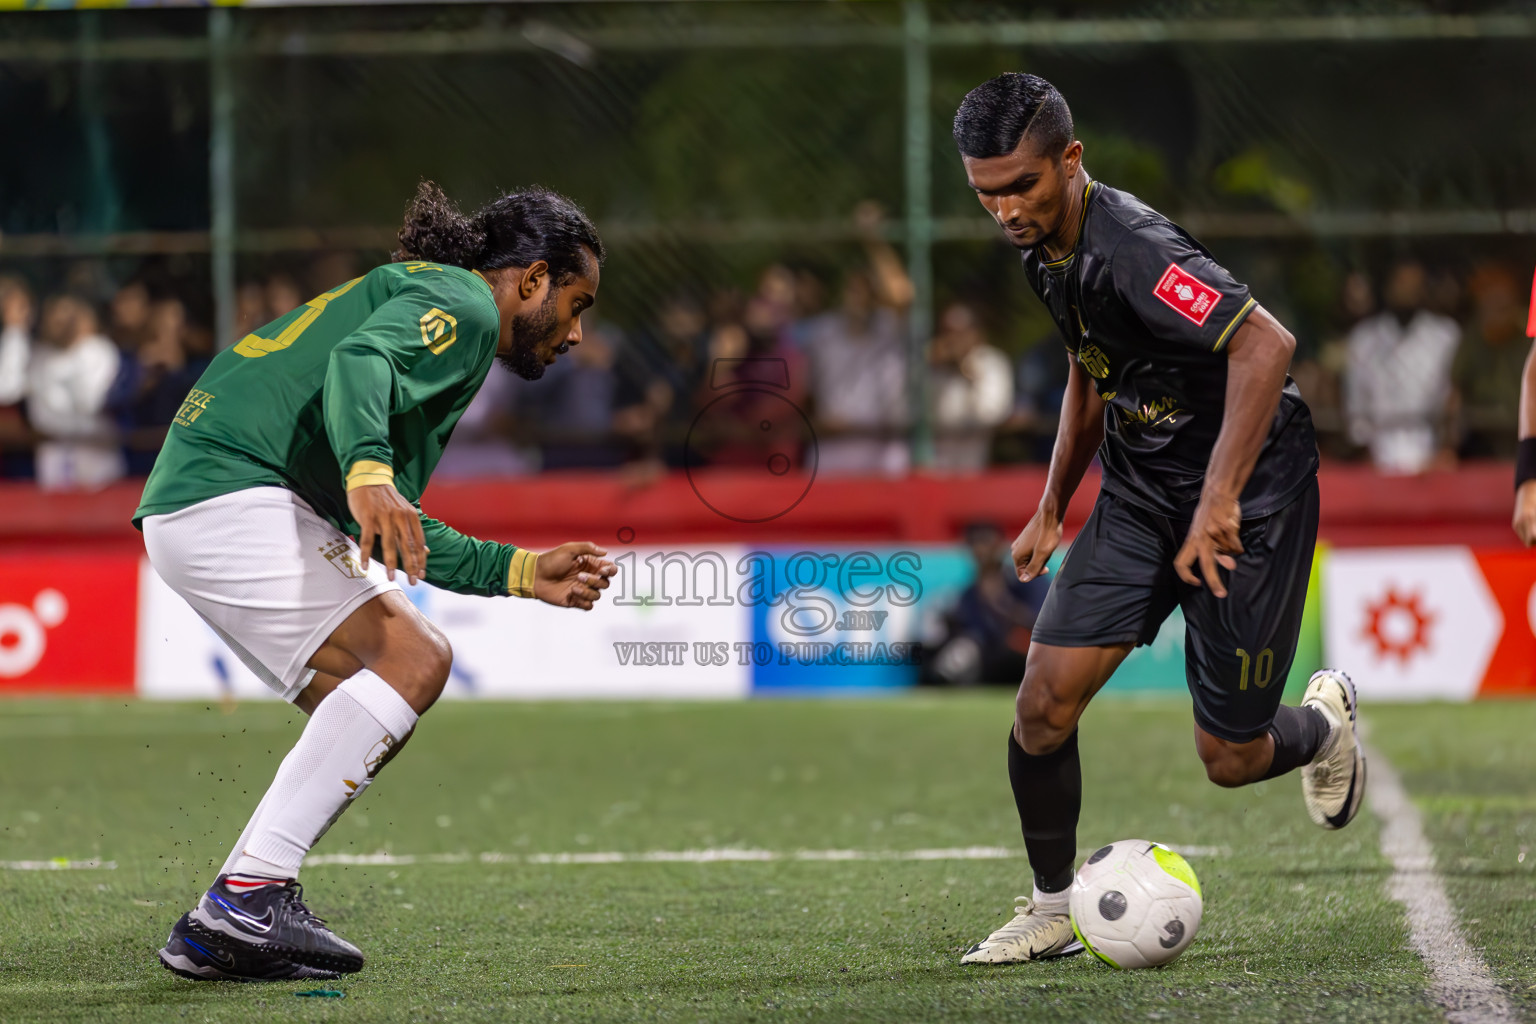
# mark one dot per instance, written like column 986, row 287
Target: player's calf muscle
column 1230, row 765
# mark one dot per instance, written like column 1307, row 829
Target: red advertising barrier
column 1445, row 614
column 1511, row 577
column 1471, row 505
column 68, row 623
column 1425, row 622
column 1431, row 623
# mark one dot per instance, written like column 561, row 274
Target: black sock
column 1049, row 792
column 1298, row 733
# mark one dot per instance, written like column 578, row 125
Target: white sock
column 341, row 749
column 1053, row 902
column 256, row 872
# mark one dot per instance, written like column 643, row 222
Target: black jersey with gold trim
column 1148, row 313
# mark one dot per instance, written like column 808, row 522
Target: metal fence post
column 221, row 174
column 102, row 210
column 919, row 222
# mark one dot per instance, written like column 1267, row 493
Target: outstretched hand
column 1212, row 541
column 572, row 575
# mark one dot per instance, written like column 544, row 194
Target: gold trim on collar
column 1082, row 218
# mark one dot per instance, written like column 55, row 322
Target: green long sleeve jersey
column 363, row 384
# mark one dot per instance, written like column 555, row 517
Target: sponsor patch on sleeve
column 1193, row 298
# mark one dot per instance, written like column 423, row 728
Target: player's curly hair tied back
column 513, row 230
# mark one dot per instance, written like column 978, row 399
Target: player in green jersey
column 287, row 497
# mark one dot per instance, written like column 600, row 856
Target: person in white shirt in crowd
column 71, row 371
column 972, row 391
column 15, row 339
column 1397, row 381
column 858, row 356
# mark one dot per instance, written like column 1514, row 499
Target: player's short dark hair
column 513, row 230
column 995, row 117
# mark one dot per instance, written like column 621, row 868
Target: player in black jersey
column 1208, row 499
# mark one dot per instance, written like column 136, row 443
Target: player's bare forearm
column 1525, row 490
column 890, row 274
column 1077, row 440
column 1078, row 437
column 1258, row 359
column 1528, row 395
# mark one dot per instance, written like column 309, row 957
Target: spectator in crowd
column 658, row 373
column 986, row 634
column 1397, row 385
column 15, row 353
column 575, row 402
column 858, row 359
column 90, row 281
column 750, row 397
column 282, row 293
column 1490, row 362
column 15, row 339
column 810, row 303
column 70, row 374
column 152, row 382
column 1443, row 294
column 485, row 442
column 129, row 315
column 770, row 312
column 1318, row 376
column 327, row 270
column 250, row 309
column 971, row 391
column 1040, row 381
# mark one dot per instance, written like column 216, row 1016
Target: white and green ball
column 1136, row 904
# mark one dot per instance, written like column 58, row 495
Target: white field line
column 706, row 856
column 1459, row 980
column 58, row 864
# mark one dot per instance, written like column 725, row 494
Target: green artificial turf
column 1473, row 777
column 1297, row 923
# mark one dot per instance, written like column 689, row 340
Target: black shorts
column 1117, row 585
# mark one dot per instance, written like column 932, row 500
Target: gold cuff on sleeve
column 365, row 473
column 520, row 572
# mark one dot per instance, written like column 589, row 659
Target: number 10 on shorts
column 1262, row 668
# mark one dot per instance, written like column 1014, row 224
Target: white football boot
column 1334, row 783
column 1033, row 934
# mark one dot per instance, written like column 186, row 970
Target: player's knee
column 1041, row 722
column 424, row 675
column 438, row 663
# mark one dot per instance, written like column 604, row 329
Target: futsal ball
column 1136, row 904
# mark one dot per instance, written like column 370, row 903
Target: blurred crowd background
column 778, row 189
column 1418, row 366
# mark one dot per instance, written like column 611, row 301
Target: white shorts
column 271, row 577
